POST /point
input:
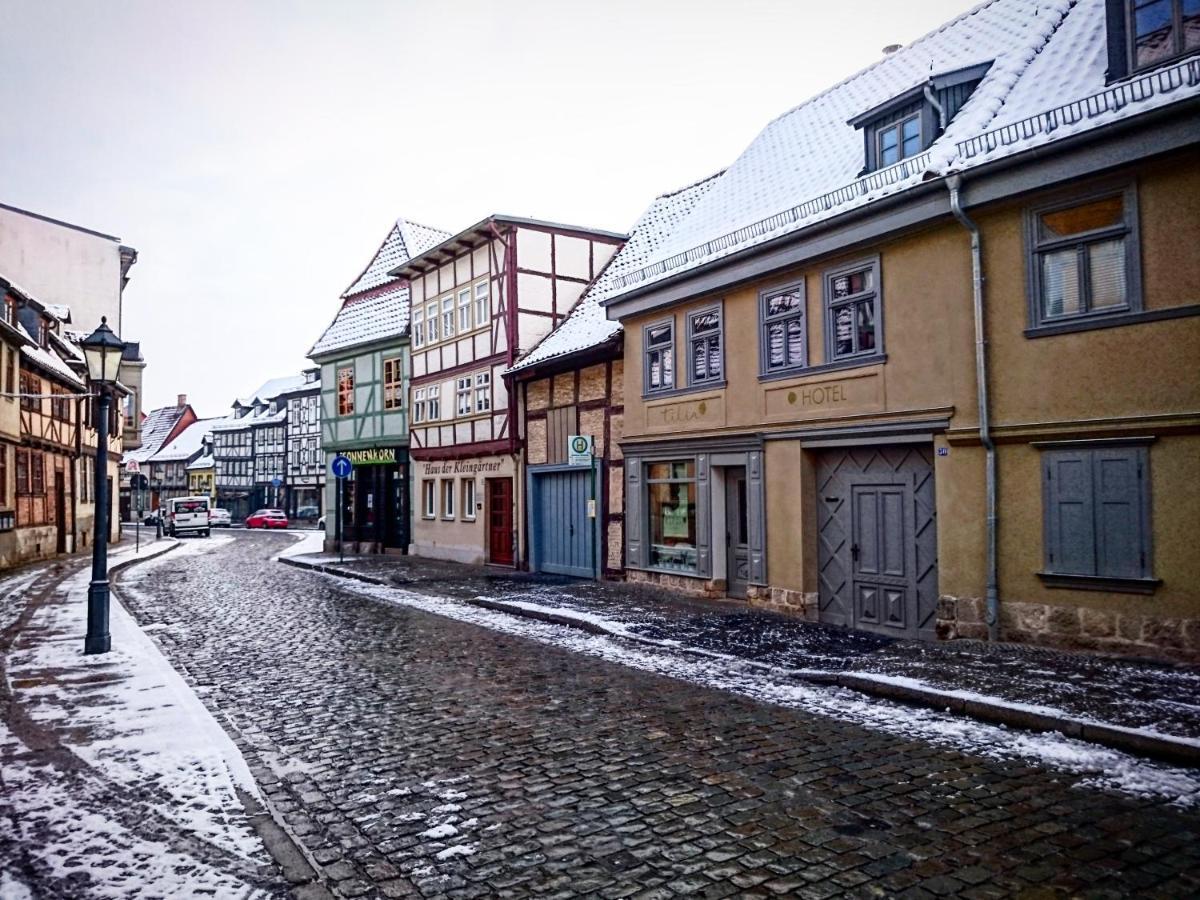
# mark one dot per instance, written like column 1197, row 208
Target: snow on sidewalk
column 155, row 810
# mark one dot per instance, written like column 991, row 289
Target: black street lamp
column 102, row 349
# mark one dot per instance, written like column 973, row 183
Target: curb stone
column 1157, row 747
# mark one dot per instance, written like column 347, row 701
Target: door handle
column 854, row 552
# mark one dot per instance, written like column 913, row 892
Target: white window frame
column 464, row 311
column 418, row 328
column 429, row 498
column 448, row 317
column 448, row 498
column 483, row 303
column 483, row 392
column 418, row 410
column 468, row 499
column 435, row 403
column 462, row 395
column 431, row 322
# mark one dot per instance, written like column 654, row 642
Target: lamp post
column 102, row 349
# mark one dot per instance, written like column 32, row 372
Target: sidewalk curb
column 1157, row 747
column 124, row 564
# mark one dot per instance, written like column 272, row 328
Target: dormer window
column 905, row 125
column 1143, row 34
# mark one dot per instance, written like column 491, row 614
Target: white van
column 187, row 514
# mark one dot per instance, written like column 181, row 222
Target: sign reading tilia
column 374, row 456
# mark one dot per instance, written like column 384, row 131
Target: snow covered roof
column 48, row 360
column 1046, row 81
column 273, row 387
column 156, row 428
column 233, row 423
column 386, row 297
column 405, row 240
column 586, row 325
column 204, row 461
column 187, row 443
column 60, row 311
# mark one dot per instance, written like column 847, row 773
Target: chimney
column 892, row 48
column 182, row 401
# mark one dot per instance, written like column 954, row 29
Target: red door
column 500, row 521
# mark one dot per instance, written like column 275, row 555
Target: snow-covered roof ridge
column 586, row 325
column 405, row 240
column 1046, row 78
column 273, row 387
column 156, row 427
column 187, row 443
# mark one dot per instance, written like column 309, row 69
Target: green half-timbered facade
column 364, row 360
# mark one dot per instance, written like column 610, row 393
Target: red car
column 267, row 518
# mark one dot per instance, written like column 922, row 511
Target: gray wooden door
column 877, row 540
column 562, row 536
column 737, row 533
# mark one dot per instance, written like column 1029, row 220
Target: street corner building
column 480, row 299
column 57, row 282
column 923, row 360
column 364, row 412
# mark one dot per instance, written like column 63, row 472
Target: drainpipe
column 954, row 183
column 933, row 101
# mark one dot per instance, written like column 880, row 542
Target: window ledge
column 690, row 389
column 857, row 363
column 1100, row 583
column 1112, row 321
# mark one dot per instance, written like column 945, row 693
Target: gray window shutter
column 1118, row 490
column 756, row 517
column 634, row 519
column 1070, row 529
column 703, row 523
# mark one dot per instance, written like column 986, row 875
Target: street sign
column 276, row 482
column 579, row 450
column 132, row 466
column 341, row 466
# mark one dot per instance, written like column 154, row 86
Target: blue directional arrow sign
column 341, row 466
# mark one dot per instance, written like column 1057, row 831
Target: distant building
column 159, row 428
column 364, row 362
column 304, row 471
column 201, row 472
column 169, row 466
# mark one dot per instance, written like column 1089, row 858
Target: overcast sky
column 256, row 153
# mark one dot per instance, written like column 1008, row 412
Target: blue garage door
column 562, row 532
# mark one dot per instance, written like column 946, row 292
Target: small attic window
column 905, row 125
column 1143, row 34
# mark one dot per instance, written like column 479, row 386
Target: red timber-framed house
column 47, row 473
column 479, row 300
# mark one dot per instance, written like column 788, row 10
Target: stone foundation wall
column 711, row 589
column 782, row 600
column 1073, row 628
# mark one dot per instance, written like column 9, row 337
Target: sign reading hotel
column 847, row 394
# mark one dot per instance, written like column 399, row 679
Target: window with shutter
column 781, row 312
column 1097, row 508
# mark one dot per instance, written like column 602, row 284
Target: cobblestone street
column 413, row 754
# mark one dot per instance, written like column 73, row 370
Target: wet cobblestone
column 414, row 755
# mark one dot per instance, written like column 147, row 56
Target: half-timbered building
column 233, row 461
column 168, row 468
column 364, row 360
column 161, row 427
column 304, row 474
column 479, row 300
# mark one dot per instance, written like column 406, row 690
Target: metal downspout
column 954, row 183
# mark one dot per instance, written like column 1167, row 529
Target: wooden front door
column 737, row 534
column 500, row 521
column 60, row 513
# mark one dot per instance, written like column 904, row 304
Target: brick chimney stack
column 182, row 401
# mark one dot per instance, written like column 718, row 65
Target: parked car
column 321, row 524
column 219, row 518
column 308, row 512
column 267, row 518
column 152, row 517
column 187, row 515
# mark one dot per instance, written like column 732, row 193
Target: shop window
column 671, row 505
column 1084, row 260
column 1097, row 515
column 429, row 498
column 463, row 395
column 853, row 326
column 483, row 309
column 483, row 392
column 704, row 344
column 345, row 390
column 659, row 349
column 393, row 383
column 464, row 311
column 448, row 498
column 468, row 498
column 781, row 312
